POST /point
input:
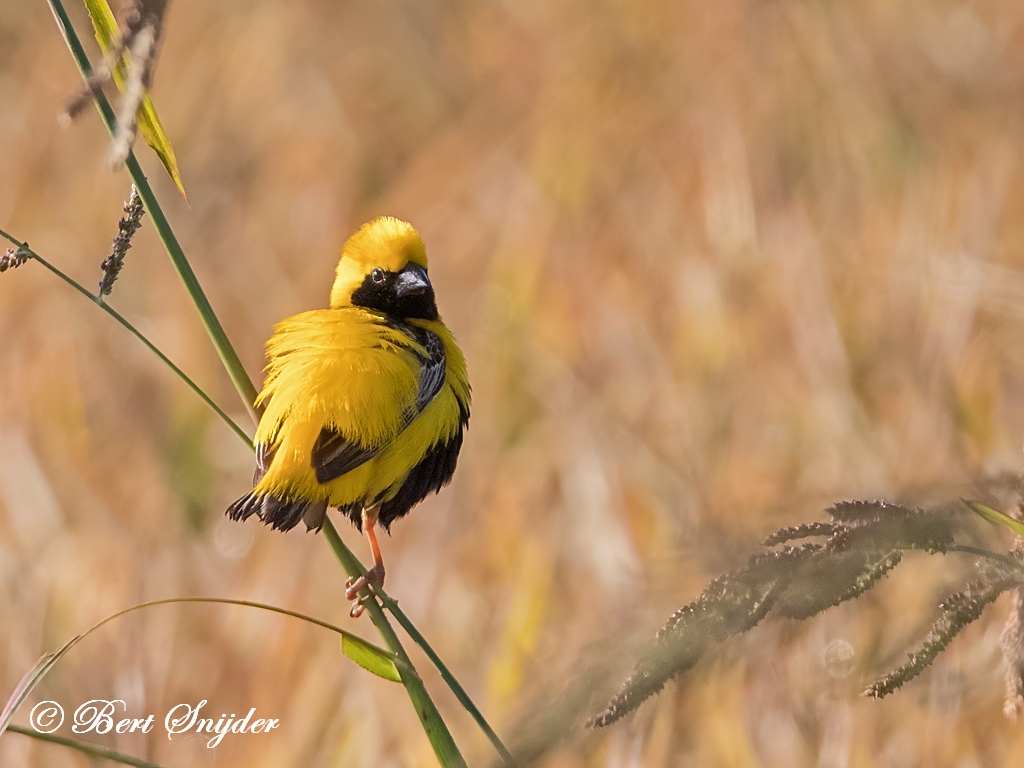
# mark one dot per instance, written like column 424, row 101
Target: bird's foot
column 354, row 586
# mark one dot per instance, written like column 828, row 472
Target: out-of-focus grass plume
column 863, row 542
column 129, row 57
column 715, row 266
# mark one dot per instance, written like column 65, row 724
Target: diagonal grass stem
column 440, row 738
column 89, row 750
column 444, row 746
column 228, row 356
column 460, row 693
column 341, row 551
column 98, row 301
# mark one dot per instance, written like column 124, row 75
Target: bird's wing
column 264, row 455
column 334, row 454
column 432, row 374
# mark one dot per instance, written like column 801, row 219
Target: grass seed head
column 127, row 227
column 958, row 610
column 14, row 257
column 864, row 542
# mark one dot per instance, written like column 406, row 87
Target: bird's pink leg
column 373, row 576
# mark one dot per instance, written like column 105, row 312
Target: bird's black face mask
column 404, row 295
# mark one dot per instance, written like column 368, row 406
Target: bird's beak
column 411, row 281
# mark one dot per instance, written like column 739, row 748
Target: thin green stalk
column 460, row 693
column 332, row 535
column 98, row 300
column 444, row 746
column 440, row 738
column 92, row 750
column 228, row 356
column 425, row 708
column 1007, row 560
column 231, row 601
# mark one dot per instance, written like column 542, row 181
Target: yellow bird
column 366, row 402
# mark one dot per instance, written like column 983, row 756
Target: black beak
column 411, row 281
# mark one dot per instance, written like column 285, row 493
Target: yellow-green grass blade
column 995, row 516
column 370, row 657
column 107, row 35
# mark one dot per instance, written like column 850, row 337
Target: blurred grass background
column 714, row 267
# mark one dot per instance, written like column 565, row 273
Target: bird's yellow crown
column 386, row 243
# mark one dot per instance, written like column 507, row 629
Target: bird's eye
column 377, row 275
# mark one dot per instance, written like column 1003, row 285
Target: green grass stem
column 228, row 356
column 98, row 301
column 460, row 693
column 90, row 750
column 441, row 739
column 444, row 746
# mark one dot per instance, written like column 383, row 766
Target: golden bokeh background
column 714, row 266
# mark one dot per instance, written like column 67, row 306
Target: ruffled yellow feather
column 347, row 370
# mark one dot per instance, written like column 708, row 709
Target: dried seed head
column 1012, row 642
column 865, row 541
column 723, row 610
column 879, row 525
column 127, row 227
column 78, row 101
column 142, row 13
column 730, row 605
column 136, row 51
column 851, row 511
column 958, row 610
column 140, row 68
column 831, row 578
column 797, row 532
column 143, row 22
column 14, row 257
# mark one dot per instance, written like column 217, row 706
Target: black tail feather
column 245, row 507
column 314, row 514
column 280, row 514
column 434, row 471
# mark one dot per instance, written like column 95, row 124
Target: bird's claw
column 354, row 586
column 374, row 576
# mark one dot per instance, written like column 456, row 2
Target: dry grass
column 715, row 266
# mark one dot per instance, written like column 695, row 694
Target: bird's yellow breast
column 347, row 370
